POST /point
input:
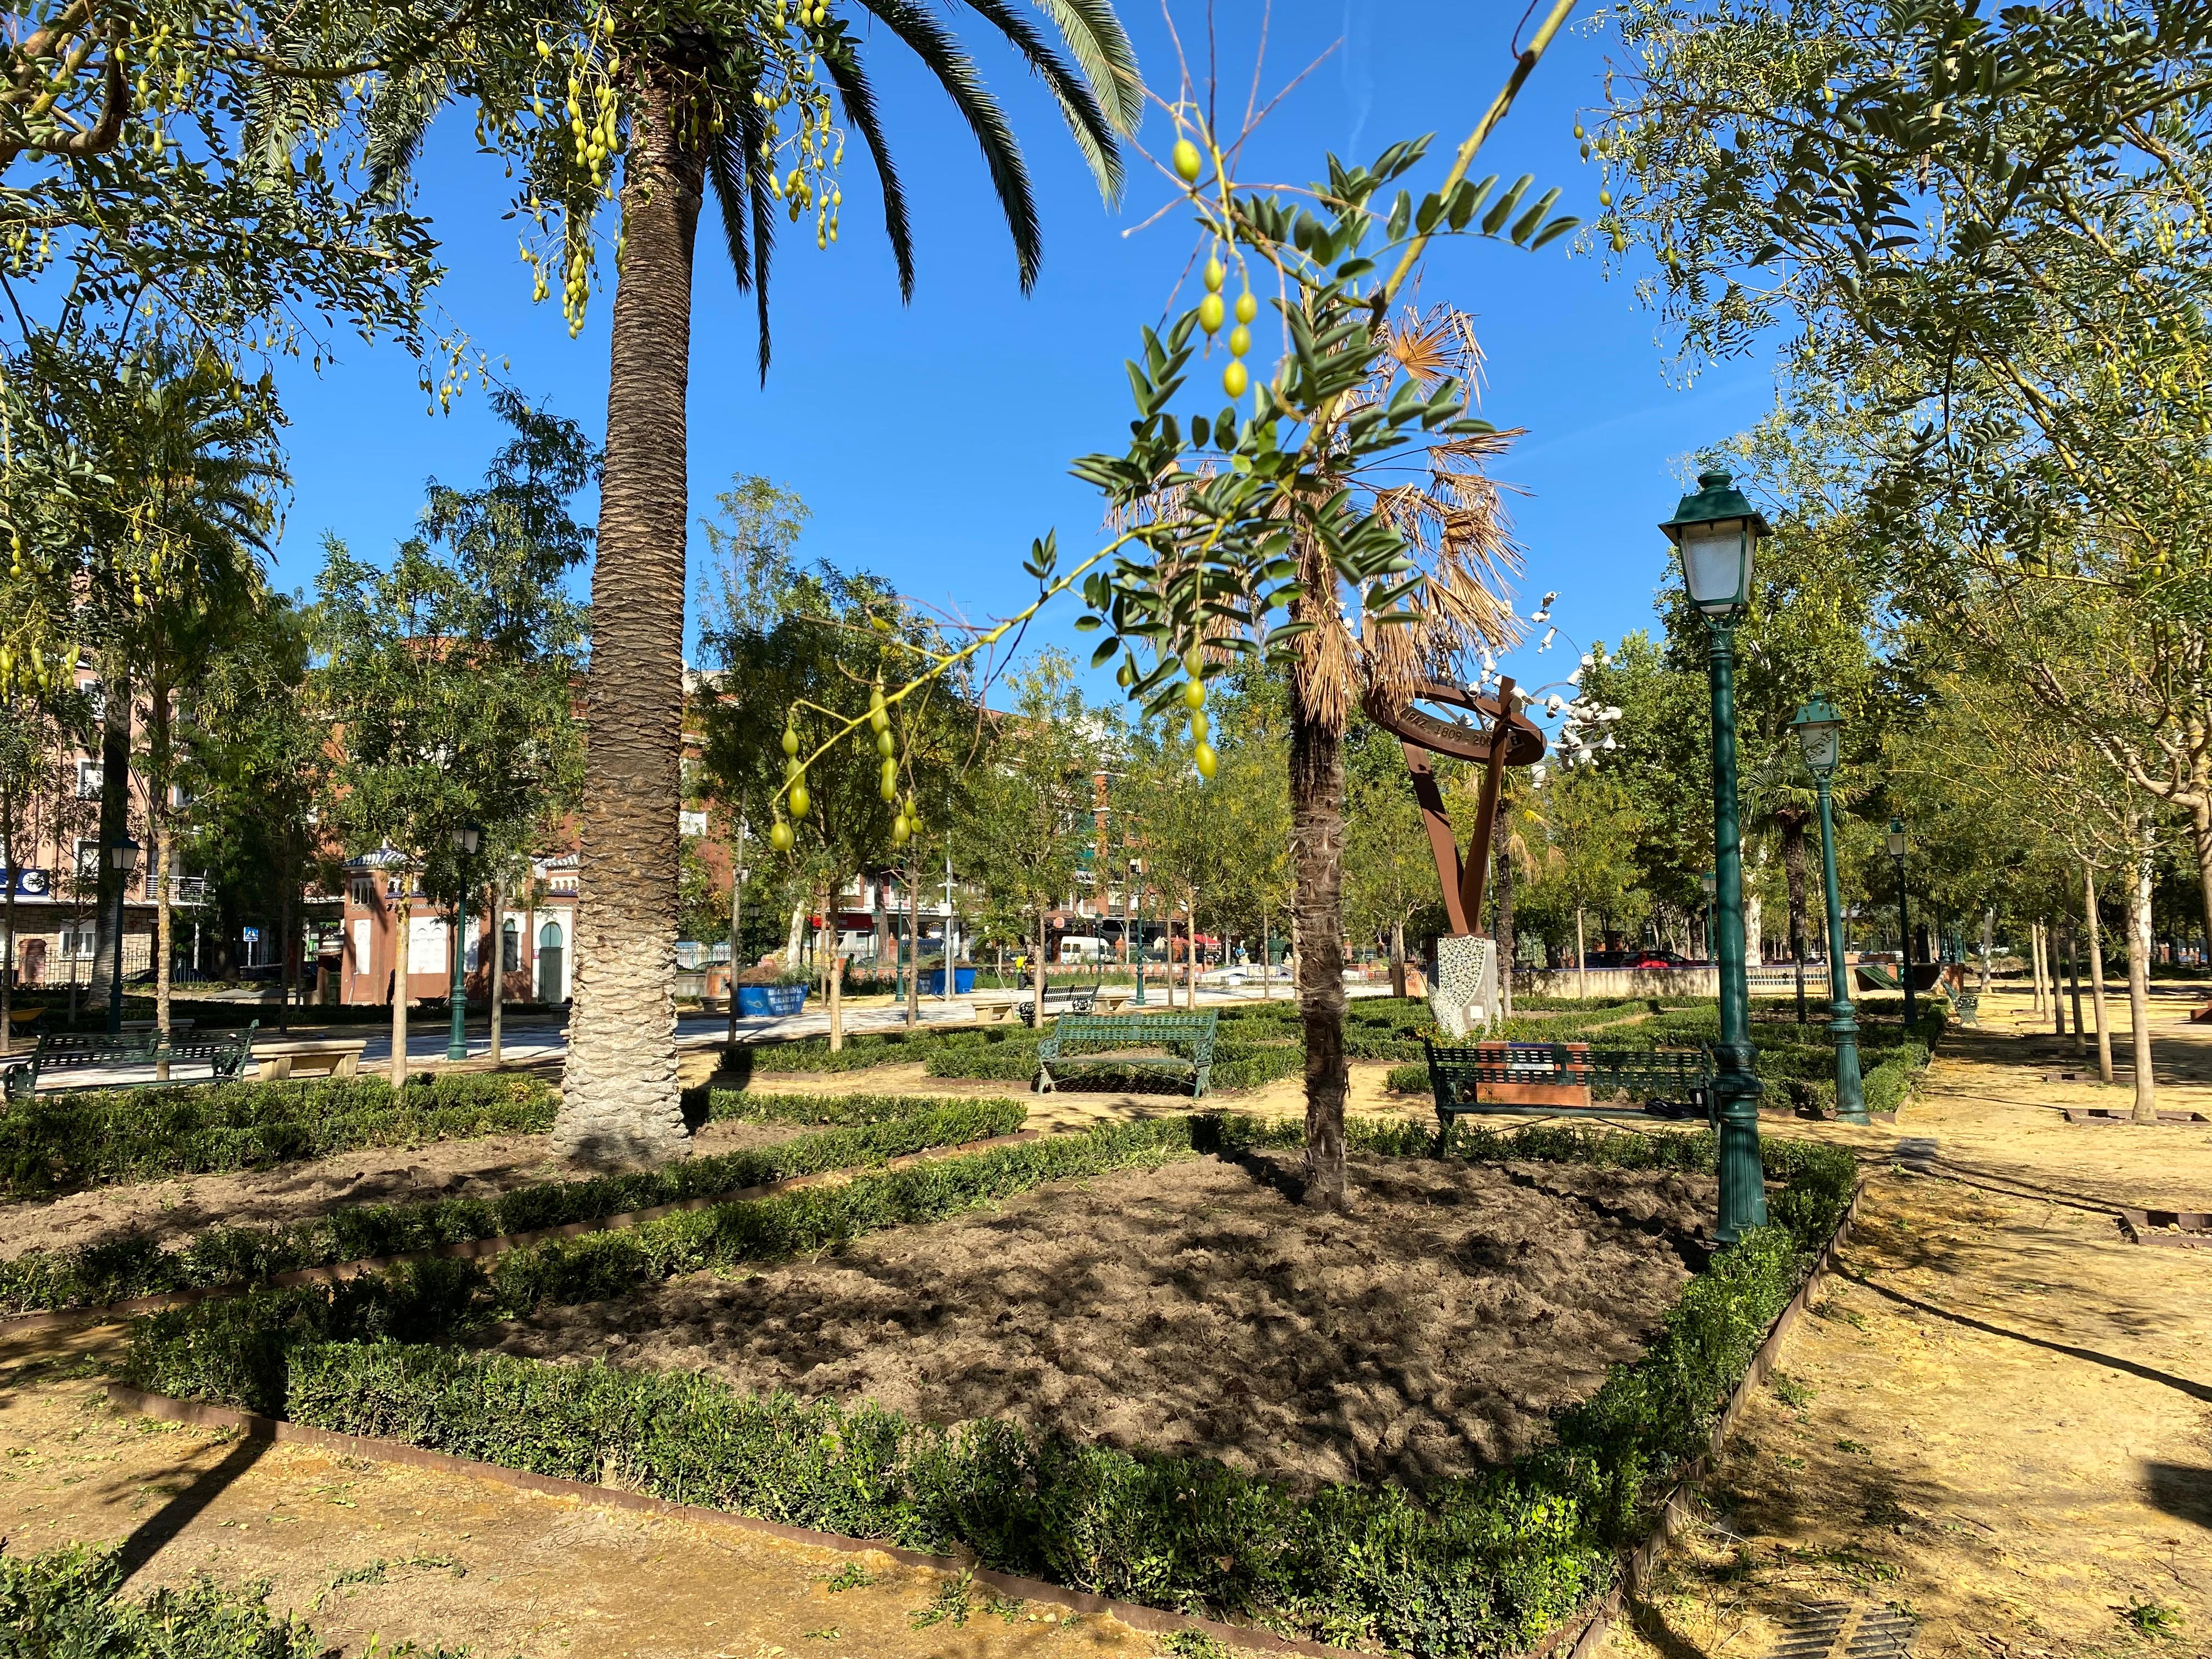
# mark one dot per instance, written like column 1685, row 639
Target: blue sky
column 931, row 442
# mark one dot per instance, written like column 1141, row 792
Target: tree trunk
column 737, row 900
column 1397, row 957
column 1507, row 945
column 2057, row 996
column 2073, row 982
column 1037, row 979
column 400, row 912
column 1582, row 958
column 2097, row 972
column 287, row 922
column 496, row 967
column 792, row 952
column 2035, row 967
column 2200, row 837
column 2139, row 945
column 1317, row 860
column 1988, row 943
column 1267, row 967
column 114, row 827
column 883, row 925
column 164, row 922
column 836, row 1002
column 619, row 1100
column 914, row 937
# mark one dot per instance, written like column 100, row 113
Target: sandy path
column 2004, row 1424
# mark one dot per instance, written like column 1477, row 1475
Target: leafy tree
column 40, row 735
column 1389, row 873
column 1025, row 835
column 449, row 675
column 1589, row 824
column 674, row 99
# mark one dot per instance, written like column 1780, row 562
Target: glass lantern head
column 1710, row 882
column 123, row 856
column 1820, row 731
column 1897, row 838
column 1718, row 534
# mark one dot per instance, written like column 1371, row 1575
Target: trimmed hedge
column 66, row 1602
column 94, row 1274
column 1478, row 1566
column 62, row 1142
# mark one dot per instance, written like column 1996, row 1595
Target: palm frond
column 1094, row 33
column 956, row 72
column 858, row 99
column 1093, row 132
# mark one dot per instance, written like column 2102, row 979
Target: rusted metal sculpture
column 1496, row 737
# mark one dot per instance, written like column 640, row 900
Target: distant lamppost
column 1717, row 533
column 464, row 841
column 1899, row 846
column 1706, row 884
column 1137, row 890
column 1820, row 731
column 122, row 858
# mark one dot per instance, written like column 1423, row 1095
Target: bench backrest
column 1121, row 1030
column 60, row 1050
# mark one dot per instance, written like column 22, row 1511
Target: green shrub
column 65, row 1602
column 1409, row 1079
column 1478, row 1566
column 96, row 1275
column 62, row 1142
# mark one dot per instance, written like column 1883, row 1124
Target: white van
column 1081, row 948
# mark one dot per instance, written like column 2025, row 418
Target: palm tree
column 689, row 96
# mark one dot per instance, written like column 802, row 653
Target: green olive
column 1234, row 379
column 800, row 801
column 1216, row 274
column 1240, row 340
column 1187, row 161
column 1193, row 694
column 1210, row 312
column 1247, row 306
column 886, row 745
column 780, row 837
column 899, row 832
column 790, row 741
column 1207, row 761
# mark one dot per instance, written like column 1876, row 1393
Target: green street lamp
column 1137, row 891
column 1899, row 846
column 1716, row 533
column 122, row 858
column 464, row 841
column 1820, row 734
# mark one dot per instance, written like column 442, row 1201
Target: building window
column 88, row 780
column 87, row 859
column 361, row 890
column 510, row 947
column 79, row 940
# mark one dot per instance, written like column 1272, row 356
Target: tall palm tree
column 688, row 96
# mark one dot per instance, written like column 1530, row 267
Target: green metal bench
column 224, row 1054
column 1130, row 1042
column 1563, row 1079
column 1967, row 1006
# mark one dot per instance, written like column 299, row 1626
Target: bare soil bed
column 1197, row 1308
column 170, row 1210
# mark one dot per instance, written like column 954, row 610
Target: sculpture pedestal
column 1465, row 997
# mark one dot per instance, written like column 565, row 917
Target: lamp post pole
column 1717, row 533
column 1897, row 850
column 464, row 847
column 1137, row 891
column 1818, row 733
column 123, row 858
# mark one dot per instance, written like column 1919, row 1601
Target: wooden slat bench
column 1563, row 1079
column 224, row 1054
column 308, row 1057
column 1139, row 1043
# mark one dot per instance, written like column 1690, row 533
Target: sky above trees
column 932, row 441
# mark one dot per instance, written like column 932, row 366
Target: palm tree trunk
column 164, row 923
column 7, row 925
column 1037, row 978
column 1317, row 863
column 400, row 912
column 1398, row 956
column 2139, row 936
column 114, row 827
column 2097, row 972
column 619, row 1101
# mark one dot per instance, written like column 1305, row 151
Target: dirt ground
column 1197, row 1308
column 168, row 1210
column 2003, row 1423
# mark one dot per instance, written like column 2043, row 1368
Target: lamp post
column 1137, row 891
column 1706, row 884
column 1819, row 730
column 122, row 858
column 464, row 841
column 1899, row 846
column 1716, row 533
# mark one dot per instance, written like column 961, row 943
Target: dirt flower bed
column 167, row 1211
column 1196, row 1309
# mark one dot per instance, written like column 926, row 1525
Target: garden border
column 495, row 1245
column 1570, row 1641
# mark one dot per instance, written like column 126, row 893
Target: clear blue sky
column 931, row 442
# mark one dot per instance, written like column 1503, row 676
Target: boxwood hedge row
column 1481, row 1566
column 64, row 1141
column 69, row 1601
column 134, row 1265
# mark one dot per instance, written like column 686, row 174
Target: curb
column 1636, row 1566
column 497, row 1244
column 170, row 1409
